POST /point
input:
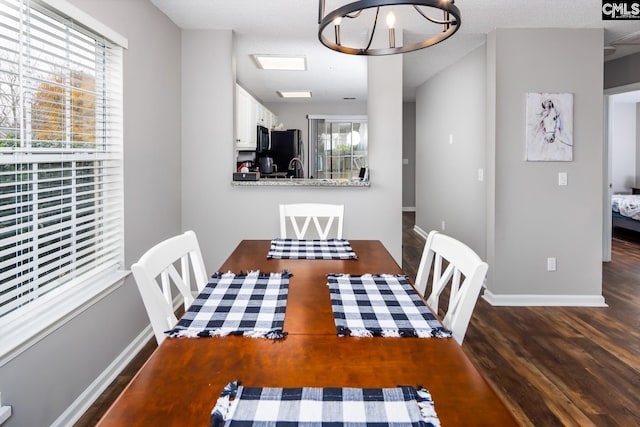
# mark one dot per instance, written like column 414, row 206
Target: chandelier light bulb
column 391, row 20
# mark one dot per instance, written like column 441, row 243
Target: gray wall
column 210, row 203
column 41, row 383
column 534, row 218
column 208, row 88
column 528, row 216
column 383, row 215
column 409, row 153
column 447, row 186
column 622, row 71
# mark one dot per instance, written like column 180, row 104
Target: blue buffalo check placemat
column 311, row 249
column 312, row 406
column 381, row 305
column 251, row 304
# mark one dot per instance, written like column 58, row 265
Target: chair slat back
column 159, row 262
column 464, row 274
column 301, row 215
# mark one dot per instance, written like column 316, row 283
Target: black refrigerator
column 285, row 146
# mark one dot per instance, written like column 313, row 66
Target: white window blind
column 61, row 179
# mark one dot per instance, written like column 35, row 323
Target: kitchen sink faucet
column 292, row 165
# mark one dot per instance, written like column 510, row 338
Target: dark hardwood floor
column 552, row 366
column 561, row 366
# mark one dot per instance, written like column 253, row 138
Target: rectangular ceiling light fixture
column 281, row 62
column 294, row 93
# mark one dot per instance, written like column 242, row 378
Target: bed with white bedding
column 626, row 211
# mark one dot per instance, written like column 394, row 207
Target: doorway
column 619, row 100
column 338, row 146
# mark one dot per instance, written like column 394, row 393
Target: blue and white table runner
column 251, row 304
column 312, row 406
column 381, row 305
column 311, row 249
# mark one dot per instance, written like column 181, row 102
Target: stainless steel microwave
column 263, row 144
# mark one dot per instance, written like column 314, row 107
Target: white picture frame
column 549, row 127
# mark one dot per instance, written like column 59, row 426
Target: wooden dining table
column 181, row 381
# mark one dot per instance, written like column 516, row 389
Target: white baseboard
column 535, row 300
column 86, row 399
column 421, row 232
column 5, row 413
column 544, row 300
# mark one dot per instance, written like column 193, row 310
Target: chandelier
column 354, row 25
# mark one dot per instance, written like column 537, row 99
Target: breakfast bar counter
column 301, row 182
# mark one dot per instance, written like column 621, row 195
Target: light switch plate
column 562, row 178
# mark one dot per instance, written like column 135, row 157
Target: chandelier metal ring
column 353, row 10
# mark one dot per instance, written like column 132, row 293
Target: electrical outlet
column 450, row 138
column 443, row 225
column 480, row 174
column 551, row 264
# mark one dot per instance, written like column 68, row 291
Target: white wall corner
column 506, row 300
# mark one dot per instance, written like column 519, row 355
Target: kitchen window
column 61, row 176
column 338, row 146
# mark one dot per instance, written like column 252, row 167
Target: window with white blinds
column 61, row 178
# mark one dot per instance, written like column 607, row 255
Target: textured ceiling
column 290, row 27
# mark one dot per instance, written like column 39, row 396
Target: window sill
column 52, row 311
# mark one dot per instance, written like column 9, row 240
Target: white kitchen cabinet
column 246, row 120
column 272, row 120
column 266, row 118
column 249, row 114
column 261, row 113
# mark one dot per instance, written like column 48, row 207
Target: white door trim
column 607, row 175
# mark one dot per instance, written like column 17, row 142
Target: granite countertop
column 301, row 182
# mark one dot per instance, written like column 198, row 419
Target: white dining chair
column 323, row 217
column 463, row 270
column 160, row 262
